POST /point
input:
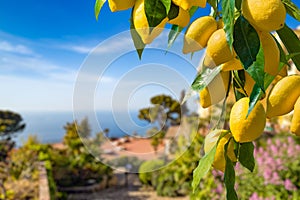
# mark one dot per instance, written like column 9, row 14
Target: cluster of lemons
column 207, row 32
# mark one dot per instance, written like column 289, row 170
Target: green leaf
column 137, row 40
column 174, row 11
column 246, row 157
column 255, row 96
column 173, row 34
column 156, row 11
column 228, row 19
column 203, row 167
column 229, row 177
column 292, row 9
column 256, row 70
column 238, row 4
column 246, row 42
column 98, row 6
column 204, row 78
column 291, row 42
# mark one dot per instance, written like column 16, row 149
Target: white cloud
column 15, row 48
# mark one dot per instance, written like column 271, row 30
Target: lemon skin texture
column 187, row 4
column 283, row 96
column 247, row 129
column 215, row 91
column 117, row 5
column 264, row 15
column 271, row 53
column 233, row 64
column 218, row 51
column 198, row 33
column 182, row 19
column 295, row 125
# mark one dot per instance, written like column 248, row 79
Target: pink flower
column 289, row 185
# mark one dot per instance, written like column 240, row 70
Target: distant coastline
column 48, row 126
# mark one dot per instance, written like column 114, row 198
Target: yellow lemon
column 233, row 64
column 198, row 33
column 283, row 96
column 218, row 50
column 141, row 24
column 215, row 91
column 182, row 19
column 264, row 15
column 116, row 5
column 271, row 53
column 211, row 140
column 220, row 23
column 187, row 4
column 295, row 125
column 247, row 129
column 249, row 84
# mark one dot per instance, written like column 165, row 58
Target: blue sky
column 45, row 44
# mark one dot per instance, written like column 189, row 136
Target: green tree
column 84, row 128
column 10, row 124
column 164, row 110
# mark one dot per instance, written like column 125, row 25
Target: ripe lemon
column 218, row 50
column 141, row 24
column 271, row 53
column 264, row 15
column 283, row 96
column 295, row 125
column 233, row 64
column 220, row 23
column 249, row 84
column 247, row 129
column 210, row 141
column 187, row 4
column 182, row 19
column 116, row 5
column 198, row 33
column 215, row 91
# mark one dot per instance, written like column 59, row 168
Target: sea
column 48, row 127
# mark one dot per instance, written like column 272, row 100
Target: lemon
column 218, row 50
column 271, row 53
column 215, row 91
column 210, row 141
column 264, row 15
column 295, row 125
column 233, row 64
column 220, row 23
column 247, row 129
column 182, row 19
column 116, row 5
column 198, row 33
column 187, row 4
column 249, row 84
column 283, row 96
column 141, row 24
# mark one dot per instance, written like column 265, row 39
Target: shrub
column 148, row 169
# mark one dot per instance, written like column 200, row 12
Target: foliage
column 147, row 171
column 164, row 110
column 242, row 41
column 75, row 165
column 10, row 123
